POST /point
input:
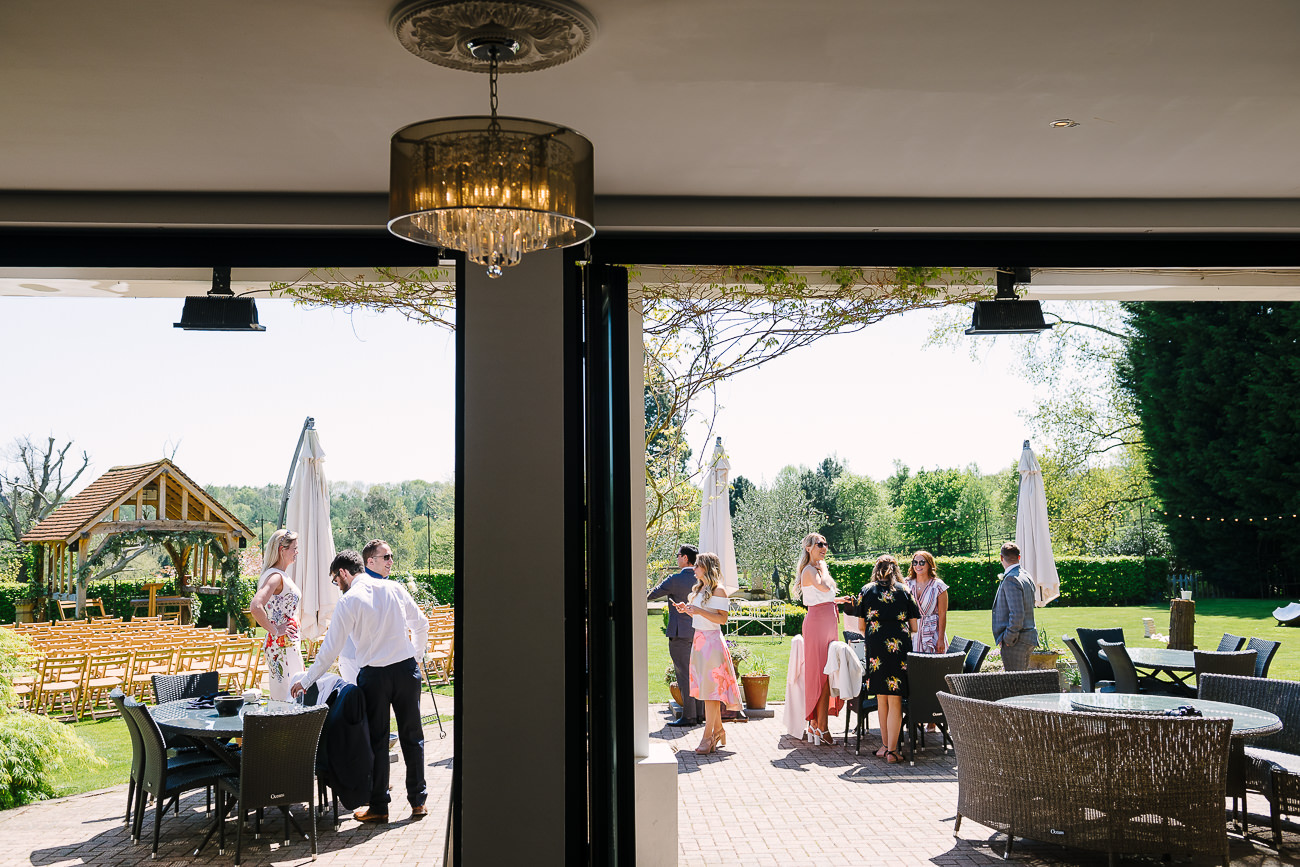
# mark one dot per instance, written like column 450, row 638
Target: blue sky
column 116, row 377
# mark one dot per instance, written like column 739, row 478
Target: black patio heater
column 1007, row 313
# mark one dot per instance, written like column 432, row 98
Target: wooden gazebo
column 154, row 500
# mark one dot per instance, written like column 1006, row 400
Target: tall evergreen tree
column 1217, row 387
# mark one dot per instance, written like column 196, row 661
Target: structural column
column 510, row 667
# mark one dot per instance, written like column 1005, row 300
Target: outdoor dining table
column 1247, row 722
column 214, row 731
column 1169, row 669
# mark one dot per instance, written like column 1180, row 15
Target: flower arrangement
column 670, row 675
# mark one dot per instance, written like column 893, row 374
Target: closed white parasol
column 308, row 514
column 1032, row 535
column 715, row 518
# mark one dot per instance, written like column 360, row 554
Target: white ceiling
column 857, row 98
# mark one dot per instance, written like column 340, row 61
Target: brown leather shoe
column 367, row 816
column 419, row 812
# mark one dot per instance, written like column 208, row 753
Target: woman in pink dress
column 713, row 676
column 816, row 588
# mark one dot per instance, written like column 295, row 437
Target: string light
column 1236, row 519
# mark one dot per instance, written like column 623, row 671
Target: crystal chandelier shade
column 496, row 188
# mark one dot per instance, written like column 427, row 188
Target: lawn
column 1245, row 617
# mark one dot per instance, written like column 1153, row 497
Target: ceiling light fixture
column 493, row 187
column 1007, row 313
column 1063, row 123
column 219, row 310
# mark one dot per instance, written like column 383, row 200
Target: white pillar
column 510, row 665
column 656, row 764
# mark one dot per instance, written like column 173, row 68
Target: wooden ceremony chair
column 105, row 672
column 441, row 652
column 158, row 660
column 196, row 658
column 62, row 682
column 231, row 664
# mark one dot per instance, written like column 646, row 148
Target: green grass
column 1245, row 617
column 110, row 741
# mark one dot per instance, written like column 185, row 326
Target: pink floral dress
column 283, row 654
column 713, row 677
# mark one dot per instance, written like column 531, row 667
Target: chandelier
column 493, row 187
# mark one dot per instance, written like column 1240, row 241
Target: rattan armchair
column 1087, row 677
column 1121, row 665
column 194, row 684
column 1088, row 639
column 1236, row 662
column 1230, row 642
column 993, row 685
column 277, row 769
column 975, row 655
column 1272, row 762
column 1264, row 651
column 1062, row 777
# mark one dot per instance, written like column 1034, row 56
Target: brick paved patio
column 776, row 801
column 783, row 803
column 87, row 829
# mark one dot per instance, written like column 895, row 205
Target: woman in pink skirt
column 713, row 677
column 817, row 589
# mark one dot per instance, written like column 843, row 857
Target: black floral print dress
column 887, row 611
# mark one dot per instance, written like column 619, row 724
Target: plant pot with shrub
column 670, row 678
column 755, row 682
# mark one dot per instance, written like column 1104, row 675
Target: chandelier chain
column 492, row 84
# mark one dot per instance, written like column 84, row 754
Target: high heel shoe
column 708, row 745
column 818, row 737
column 721, row 740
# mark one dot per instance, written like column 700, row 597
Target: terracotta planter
column 676, row 694
column 755, row 686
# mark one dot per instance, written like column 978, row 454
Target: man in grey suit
column 681, row 633
column 1013, row 612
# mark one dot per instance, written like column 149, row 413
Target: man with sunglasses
column 389, row 633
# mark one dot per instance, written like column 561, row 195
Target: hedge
column 440, row 582
column 1091, row 581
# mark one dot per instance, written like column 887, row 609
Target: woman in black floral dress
column 890, row 616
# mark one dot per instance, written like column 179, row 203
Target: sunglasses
column 384, row 556
column 919, row 561
column 821, row 545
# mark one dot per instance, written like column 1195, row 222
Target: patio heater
column 1007, row 313
column 220, row 309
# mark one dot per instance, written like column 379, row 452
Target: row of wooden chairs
column 440, row 655
column 73, row 684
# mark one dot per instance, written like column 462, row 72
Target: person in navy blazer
column 677, row 588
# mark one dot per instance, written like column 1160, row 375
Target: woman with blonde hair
column 713, row 676
column 816, row 588
column 890, row 615
column 275, row 608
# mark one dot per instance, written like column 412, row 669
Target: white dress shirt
column 382, row 622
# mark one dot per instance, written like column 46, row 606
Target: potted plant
column 755, row 682
column 670, row 678
column 1044, row 656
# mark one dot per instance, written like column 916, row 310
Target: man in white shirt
column 389, row 633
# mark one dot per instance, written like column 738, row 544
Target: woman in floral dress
column 891, row 617
column 275, row 608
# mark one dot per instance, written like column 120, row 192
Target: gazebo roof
column 119, row 486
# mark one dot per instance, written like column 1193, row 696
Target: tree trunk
column 1182, row 624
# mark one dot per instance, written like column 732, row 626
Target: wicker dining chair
column 925, row 680
column 1264, row 650
column 1229, row 642
column 277, row 769
column 957, row 644
column 994, row 685
column 975, row 657
column 194, row 684
column 1087, row 677
column 158, row 777
column 1238, row 662
column 1121, row 664
column 1088, row 639
column 1273, row 761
